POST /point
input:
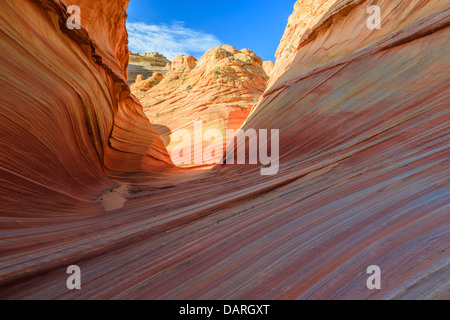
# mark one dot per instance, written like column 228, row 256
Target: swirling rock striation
column 363, row 118
column 69, row 125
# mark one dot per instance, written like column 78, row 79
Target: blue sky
column 174, row 27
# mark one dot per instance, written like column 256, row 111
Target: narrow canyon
column 87, row 178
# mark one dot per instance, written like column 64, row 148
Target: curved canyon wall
column 363, row 180
column 68, row 122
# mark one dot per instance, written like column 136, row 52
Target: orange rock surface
column 364, row 164
column 220, row 90
column 68, row 122
column 141, row 86
column 268, row 67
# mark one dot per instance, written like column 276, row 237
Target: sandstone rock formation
column 363, row 118
column 139, row 78
column 307, row 14
column 219, row 90
column 141, row 86
column 69, row 125
column 146, row 64
column 268, row 67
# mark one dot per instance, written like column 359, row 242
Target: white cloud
column 170, row 40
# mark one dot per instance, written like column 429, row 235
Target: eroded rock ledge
column 220, row 90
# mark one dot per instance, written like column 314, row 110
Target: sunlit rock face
column 268, row 67
column 363, row 121
column 142, row 85
column 220, row 90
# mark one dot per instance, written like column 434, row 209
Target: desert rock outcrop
column 141, row 86
column 68, row 134
column 268, row 67
column 220, row 90
column 363, row 119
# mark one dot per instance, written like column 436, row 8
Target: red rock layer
column 363, row 119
